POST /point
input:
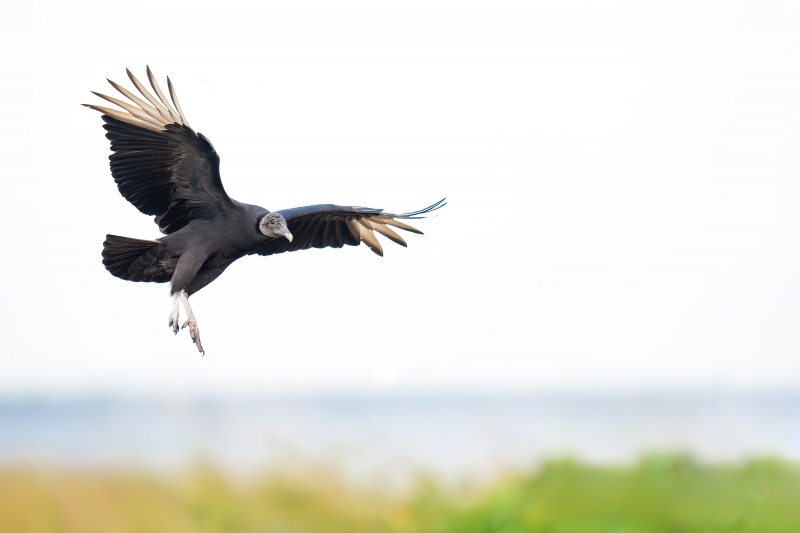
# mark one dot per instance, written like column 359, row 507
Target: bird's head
column 274, row 225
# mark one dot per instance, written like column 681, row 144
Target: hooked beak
column 288, row 235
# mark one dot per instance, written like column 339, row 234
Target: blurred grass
column 669, row 494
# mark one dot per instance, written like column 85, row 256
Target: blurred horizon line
column 80, row 394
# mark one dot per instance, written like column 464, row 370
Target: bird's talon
column 173, row 320
column 194, row 333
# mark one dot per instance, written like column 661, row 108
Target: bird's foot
column 173, row 322
column 194, row 332
column 173, row 316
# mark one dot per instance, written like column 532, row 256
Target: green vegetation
column 670, row 494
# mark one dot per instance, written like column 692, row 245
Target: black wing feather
column 172, row 174
column 326, row 226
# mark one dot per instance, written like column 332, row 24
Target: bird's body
column 194, row 255
column 167, row 170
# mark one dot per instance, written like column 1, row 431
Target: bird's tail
column 134, row 259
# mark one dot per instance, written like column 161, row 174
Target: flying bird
column 169, row 171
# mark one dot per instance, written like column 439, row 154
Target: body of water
column 465, row 436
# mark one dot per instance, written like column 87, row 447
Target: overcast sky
column 622, row 181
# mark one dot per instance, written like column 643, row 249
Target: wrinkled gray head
column 274, row 225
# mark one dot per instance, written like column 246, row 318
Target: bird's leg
column 194, row 331
column 173, row 316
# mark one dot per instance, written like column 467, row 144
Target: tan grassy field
column 660, row 494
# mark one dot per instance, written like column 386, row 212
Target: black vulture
column 167, row 170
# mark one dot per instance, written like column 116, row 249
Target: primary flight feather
column 167, row 170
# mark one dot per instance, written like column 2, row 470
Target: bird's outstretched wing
column 159, row 163
column 333, row 226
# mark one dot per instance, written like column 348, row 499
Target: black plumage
column 167, row 170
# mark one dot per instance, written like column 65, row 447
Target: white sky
column 622, row 178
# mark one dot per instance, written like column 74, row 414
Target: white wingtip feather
column 147, row 108
column 398, row 224
column 174, row 97
column 133, row 110
column 153, row 115
column 388, row 233
column 368, row 237
column 124, row 117
column 154, row 84
column 150, row 98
